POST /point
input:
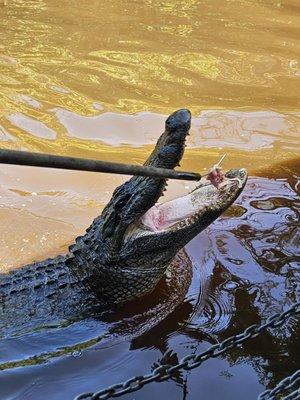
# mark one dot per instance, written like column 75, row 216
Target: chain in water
column 191, row 361
column 284, row 385
column 295, row 395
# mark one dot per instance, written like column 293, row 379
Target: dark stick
column 83, row 164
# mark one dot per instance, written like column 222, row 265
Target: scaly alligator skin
column 119, row 258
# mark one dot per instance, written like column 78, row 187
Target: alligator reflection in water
column 246, row 268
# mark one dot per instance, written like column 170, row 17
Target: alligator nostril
column 178, row 118
column 232, row 173
column 236, row 173
column 243, row 172
column 184, row 116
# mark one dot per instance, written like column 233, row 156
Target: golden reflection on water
column 155, row 55
column 96, row 79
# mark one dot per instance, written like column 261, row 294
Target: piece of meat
column 216, row 176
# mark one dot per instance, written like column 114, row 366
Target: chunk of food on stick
column 215, row 175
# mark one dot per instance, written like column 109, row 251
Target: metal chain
column 191, row 361
column 293, row 396
column 286, row 384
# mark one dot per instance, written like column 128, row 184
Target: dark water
column 245, row 267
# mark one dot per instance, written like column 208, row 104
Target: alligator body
column 126, row 250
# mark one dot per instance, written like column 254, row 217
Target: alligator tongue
column 164, row 215
column 210, row 191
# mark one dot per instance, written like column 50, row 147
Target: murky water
column 97, row 79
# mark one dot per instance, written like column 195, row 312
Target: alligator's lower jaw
column 190, row 209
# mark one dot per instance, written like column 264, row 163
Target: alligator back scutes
column 33, row 276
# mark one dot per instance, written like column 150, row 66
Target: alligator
column 126, row 250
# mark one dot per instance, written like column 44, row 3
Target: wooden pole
column 83, row 164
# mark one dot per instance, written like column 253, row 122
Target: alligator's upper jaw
column 197, row 209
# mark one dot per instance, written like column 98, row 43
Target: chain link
column 284, row 385
column 293, row 396
column 164, row 372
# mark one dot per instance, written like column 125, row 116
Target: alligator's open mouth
column 143, row 232
column 198, row 208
